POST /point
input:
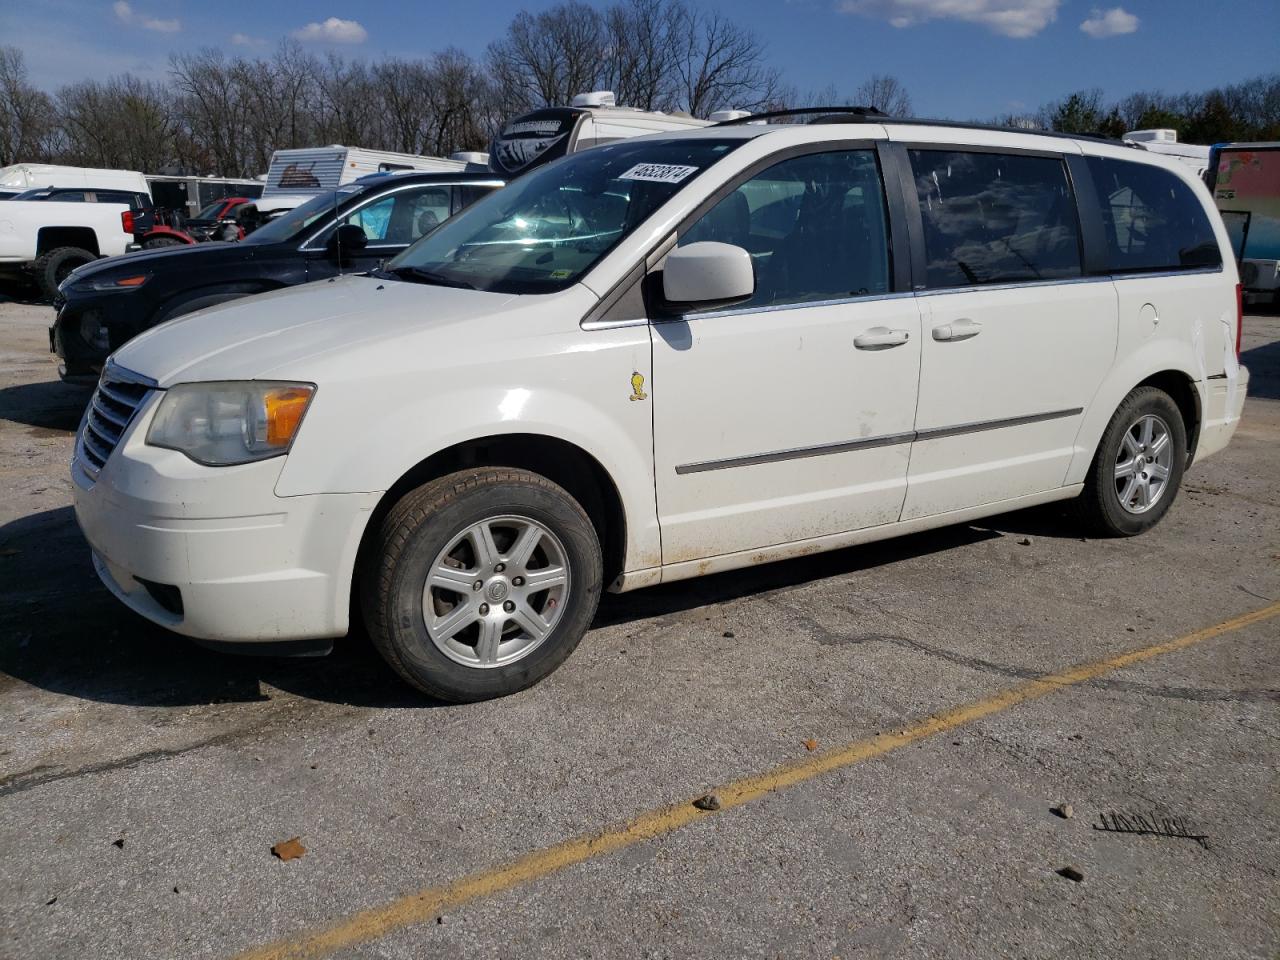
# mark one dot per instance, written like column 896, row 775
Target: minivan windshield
column 288, row 225
column 545, row 230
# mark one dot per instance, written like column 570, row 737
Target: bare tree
column 884, row 92
column 121, row 122
column 27, row 115
column 720, row 65
column 547, row 58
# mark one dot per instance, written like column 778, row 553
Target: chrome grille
column 118, row 397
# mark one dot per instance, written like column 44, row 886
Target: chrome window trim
column 866, row 443
column 777, row 307
column 1013, row 285
column 306, row 244
column 1180, row 272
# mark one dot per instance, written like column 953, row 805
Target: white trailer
column 311, row 170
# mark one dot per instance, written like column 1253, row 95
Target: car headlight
column 120, row 284
column 224, row 423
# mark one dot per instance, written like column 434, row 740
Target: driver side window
column 815, row 227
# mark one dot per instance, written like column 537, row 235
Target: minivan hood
column 248, row 339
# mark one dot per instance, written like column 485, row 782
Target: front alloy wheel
column 496, row 591
column 480, row 583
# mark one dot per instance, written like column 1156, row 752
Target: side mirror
column 707, row 275
column 346, row 240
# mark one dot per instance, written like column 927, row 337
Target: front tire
column 481, row 583
column 56, row 265
column 1138, row 467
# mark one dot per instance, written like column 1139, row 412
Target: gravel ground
column 144, row 780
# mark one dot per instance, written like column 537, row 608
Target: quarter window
column 1152, row 220
column 815, row 227
column 995, row 218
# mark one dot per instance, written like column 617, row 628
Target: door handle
column 881, row 338
column 961, row 329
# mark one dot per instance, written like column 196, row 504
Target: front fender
column 578, row 391
column 169, row 232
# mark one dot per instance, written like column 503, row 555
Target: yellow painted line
column 426, row 904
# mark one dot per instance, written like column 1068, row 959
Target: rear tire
column 453, row 588
column 54, row 267
column 159, row 242
column 1138, row 468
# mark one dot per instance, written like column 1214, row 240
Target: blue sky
column 958, row 58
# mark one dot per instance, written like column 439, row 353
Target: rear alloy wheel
column 1138, row 467
column 481, row 583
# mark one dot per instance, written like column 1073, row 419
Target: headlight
column 121, row 285
column 220, row 424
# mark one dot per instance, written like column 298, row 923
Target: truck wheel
column 53, row 267
column 481, row 583
column 1138, row 467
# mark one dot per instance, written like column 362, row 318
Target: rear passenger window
column 1152, row 220
column 815, row 227
column 995, row 218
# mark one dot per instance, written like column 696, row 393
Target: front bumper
column 213, row 553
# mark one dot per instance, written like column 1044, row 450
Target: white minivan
column 661, row 358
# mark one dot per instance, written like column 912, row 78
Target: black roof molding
column 873, row 115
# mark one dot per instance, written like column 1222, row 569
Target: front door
column 790, row 416
column 390, row 223
column 1016, row 341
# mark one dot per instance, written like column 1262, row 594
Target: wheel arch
column 1181, row 388
column 564, row 463
column 51, row 238
column 1169, row 365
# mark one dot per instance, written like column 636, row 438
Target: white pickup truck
column 47, row 240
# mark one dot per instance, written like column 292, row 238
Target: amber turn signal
column 284, row 408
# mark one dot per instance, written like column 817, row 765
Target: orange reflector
column 131, row 281
column 285, row 407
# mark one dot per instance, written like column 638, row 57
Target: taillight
column 126, row 221
column 1239, row 317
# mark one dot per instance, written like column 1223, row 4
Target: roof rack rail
column 853, row 115
column 873, row 115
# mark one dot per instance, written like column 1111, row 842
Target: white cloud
column 126, row 14
column 1012, row 18
column 1110, row 23
column 244, row 40
column 333, row 30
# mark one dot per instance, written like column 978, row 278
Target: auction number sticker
column 658, row 172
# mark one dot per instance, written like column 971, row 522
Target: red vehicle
column 215, row 222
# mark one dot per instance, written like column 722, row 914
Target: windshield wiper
column 421, row 275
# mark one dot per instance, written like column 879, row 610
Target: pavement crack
column 25, row 780
column 828, row 637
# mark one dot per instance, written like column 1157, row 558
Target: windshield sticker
column 560, row 274
column 658, row 172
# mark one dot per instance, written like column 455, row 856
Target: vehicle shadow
column 48, row 404
column 1264, row 370
column 61, row 631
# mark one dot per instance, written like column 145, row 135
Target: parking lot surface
column 144, row 781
